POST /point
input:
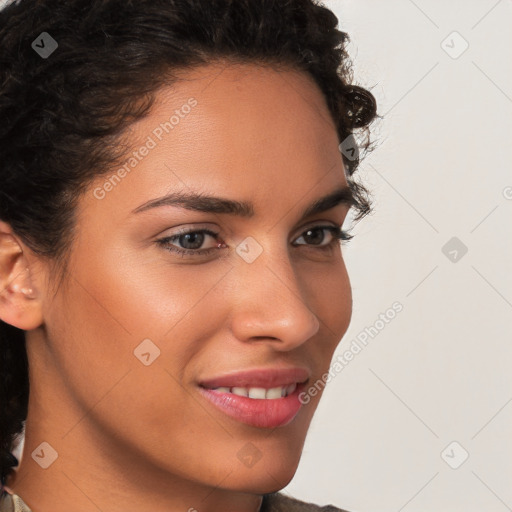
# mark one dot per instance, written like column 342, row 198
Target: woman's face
column 140, row 333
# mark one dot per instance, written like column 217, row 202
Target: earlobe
column 20, row 304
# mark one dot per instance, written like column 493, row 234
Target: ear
column 20, row 301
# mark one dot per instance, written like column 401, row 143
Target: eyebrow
column 210, row 204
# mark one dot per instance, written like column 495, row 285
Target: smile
column 259, row 393
column 263, row 398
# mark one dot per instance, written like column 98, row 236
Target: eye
column 310, row 236
column 191, row 241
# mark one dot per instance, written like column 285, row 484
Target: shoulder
column 277, row 502
column 12, row 503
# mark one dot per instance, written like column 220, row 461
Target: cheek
column 117, row 315
column 332, row 303
column 96, row 326
column 330, row 295
column 153, row 293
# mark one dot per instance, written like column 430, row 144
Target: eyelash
column 337, row 232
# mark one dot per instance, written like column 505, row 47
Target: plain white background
column 420, row 419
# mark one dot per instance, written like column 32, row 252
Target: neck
column 83, row 479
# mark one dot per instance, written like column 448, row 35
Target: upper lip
column 259, row 377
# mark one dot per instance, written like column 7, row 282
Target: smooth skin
column 132, row 437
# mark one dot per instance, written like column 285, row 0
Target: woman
column 171, row 276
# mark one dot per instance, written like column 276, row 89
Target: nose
column 270, row 304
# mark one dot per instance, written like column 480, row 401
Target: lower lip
column 261, row 413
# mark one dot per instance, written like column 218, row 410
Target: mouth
column 264, row 398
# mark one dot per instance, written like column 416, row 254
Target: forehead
column 241, row 130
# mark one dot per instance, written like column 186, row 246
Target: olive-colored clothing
column 12, row 503
column 275, row 502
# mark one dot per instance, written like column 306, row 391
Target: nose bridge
column 270, row 301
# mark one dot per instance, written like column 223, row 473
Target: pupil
column 318, row 232
column 188, row 236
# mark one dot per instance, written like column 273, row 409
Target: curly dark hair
column 63, row 117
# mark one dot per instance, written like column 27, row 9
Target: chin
column 263, row 483
column 267, row 475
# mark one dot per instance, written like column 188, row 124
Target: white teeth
column 260, row 393
column 257, row 393
column 291, row 388
column 240, row 391
column 275, row 392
